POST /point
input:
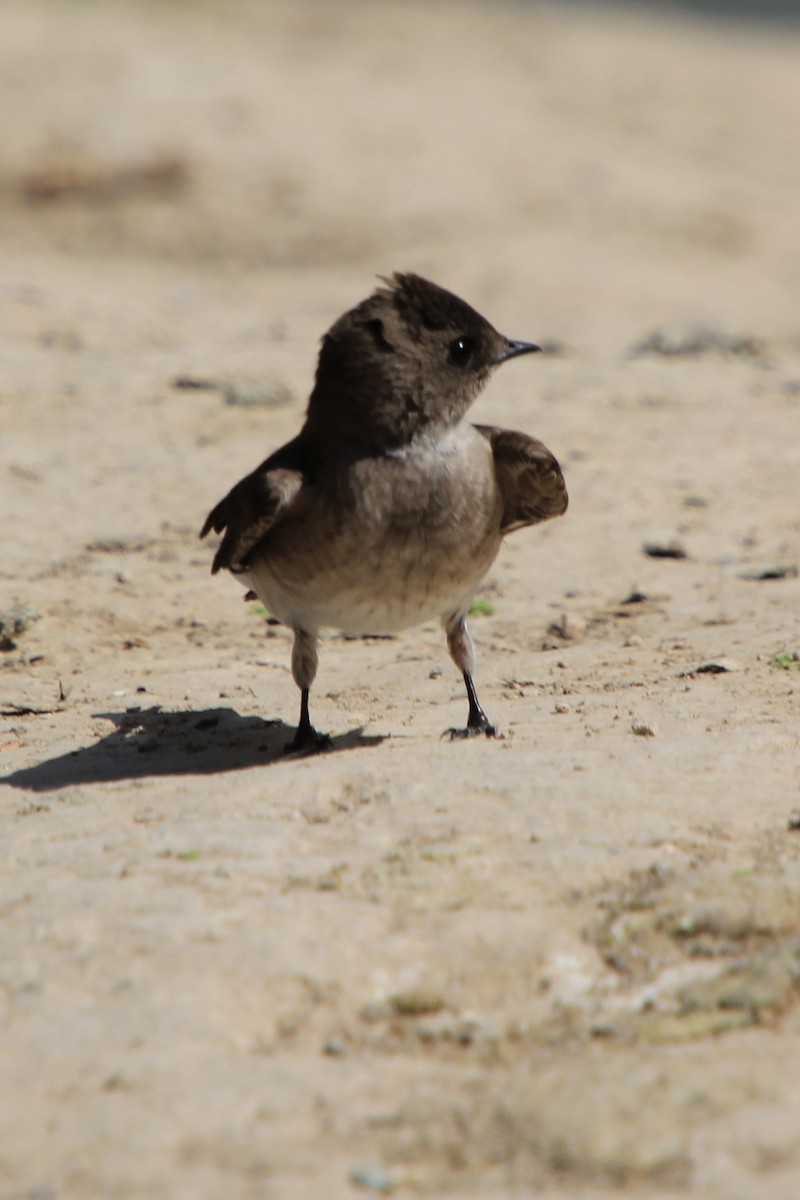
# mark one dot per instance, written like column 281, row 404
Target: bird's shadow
column 155, row 741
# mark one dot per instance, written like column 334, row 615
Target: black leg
column 306, row 739
column 477, row 720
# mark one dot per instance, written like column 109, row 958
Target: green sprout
column 481, row 608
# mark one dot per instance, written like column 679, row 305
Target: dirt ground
column 565, row 964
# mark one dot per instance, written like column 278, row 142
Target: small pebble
column 604, row 1029
column 673, row 549
column 779, row 572
column 719, row 666
column 417, row 1002
column 641, row 729
column 562, row 708
column 194, row 383
column 793, row 824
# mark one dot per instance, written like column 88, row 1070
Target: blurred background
column 637, row 159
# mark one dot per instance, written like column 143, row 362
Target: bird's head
column 412, row 355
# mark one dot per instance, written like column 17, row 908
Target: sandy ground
column 564, row 964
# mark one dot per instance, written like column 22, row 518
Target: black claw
column 308, row 741
column 475, row 730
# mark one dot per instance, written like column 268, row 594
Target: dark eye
column 461, row 350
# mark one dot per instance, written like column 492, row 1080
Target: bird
column 388, row 507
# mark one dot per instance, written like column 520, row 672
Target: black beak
column 515, row 348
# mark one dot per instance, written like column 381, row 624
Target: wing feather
column 256, row 504
column 529, row 478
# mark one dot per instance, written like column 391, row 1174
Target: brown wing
column 529, row 477
column 255, row 505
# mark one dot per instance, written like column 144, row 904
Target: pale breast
column 389, row 543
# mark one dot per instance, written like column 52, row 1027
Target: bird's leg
column 477, row 721
column 304, row 669
column 462, row 652
column 306, row 736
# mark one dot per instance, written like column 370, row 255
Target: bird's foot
column 308, row 741
column 474, row 729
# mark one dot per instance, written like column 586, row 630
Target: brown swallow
column 389, row 507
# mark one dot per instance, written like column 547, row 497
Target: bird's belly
column 395, row 586
column 388, row 551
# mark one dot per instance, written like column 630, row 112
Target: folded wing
column 255, row 505
column 529, row 478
